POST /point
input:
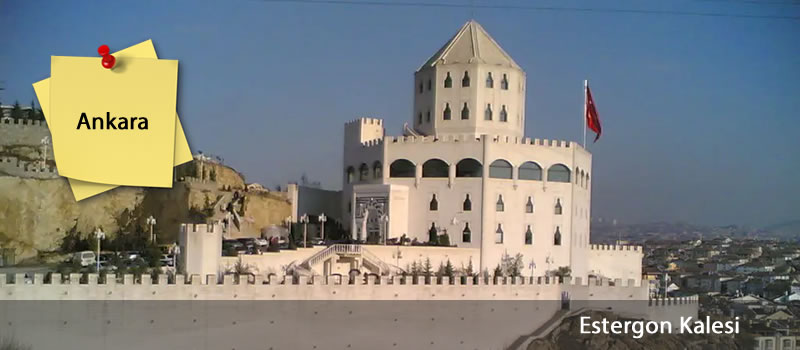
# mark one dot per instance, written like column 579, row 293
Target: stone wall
column 261, row 312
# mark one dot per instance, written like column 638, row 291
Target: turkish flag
column 592, row 118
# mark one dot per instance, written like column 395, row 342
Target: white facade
column 528, row 196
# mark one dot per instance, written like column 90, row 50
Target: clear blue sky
column 700, row 113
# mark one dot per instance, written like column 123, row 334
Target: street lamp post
column 304, row 221
column 532, row 266
column 322, row 218
column 151, row 221
column 100, row 235
column 288, row 222
column 385, row 222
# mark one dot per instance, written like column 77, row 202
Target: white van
column 85, row 258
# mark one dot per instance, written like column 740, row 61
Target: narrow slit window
column 557, row 236
column 467, row 204
column 466, row 235
column 498, row 234
column 529, row 236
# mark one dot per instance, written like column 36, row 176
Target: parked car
column 167, row 260
column 130, row 255
column 229, row 244
column 84, row 258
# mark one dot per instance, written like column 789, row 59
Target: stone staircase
column 368, row 260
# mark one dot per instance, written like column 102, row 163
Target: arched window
column 428, row 116
column 587, row 180
column 465, row 80
column 503, row 114
column 434, row 204
column 487, row 115
column 420, row 88
column 350, row 174
column 469, row 167
column 402, row 168
column 465, row 112
column 363, row 172
column 529, row 205
column 577, row 175
column 583, row 179
column 489, row 81
column 435, row 168
column 558, row 173
column 448, row 82
column 530, row 171
column 467, row 206
column 466, row 235
column 504, row 82
column 429, row 85
column 500, row 206
column 498, row 234
column 377, row 170
column 419, row 118
column 557, row 236
column 529, row 236
column 558, row 208
column 500, row 169
column 446, row 111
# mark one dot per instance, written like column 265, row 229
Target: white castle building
column 465, row 169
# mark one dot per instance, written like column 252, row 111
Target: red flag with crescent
column 592, row 118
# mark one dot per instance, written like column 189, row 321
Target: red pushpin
column 108, row 60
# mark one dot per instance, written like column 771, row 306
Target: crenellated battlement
column 27, row 169
column 372, row 143
column 364, row 121
column 22, row 123
column 693, row 299
column 634, row 248
column 76, row 286
column 202, row 228
column 471, row 138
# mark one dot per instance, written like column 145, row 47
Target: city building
column 463, row 168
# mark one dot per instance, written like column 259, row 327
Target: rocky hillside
column 36, row 214
column 568, row 336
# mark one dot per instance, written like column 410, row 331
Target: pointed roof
column 472, row 44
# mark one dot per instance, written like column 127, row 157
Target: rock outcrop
column 36, row 214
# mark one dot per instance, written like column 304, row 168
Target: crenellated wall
column 614, row 261
column 129, row 287
column 13, row 166
column 258, row 312
column 22, row 131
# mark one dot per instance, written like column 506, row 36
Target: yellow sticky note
column 81, row 189
column 114, row 126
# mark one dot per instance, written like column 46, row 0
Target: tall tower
column 470, row 86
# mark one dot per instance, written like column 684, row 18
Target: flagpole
column 583, row 119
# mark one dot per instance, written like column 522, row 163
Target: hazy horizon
column 698, row 111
